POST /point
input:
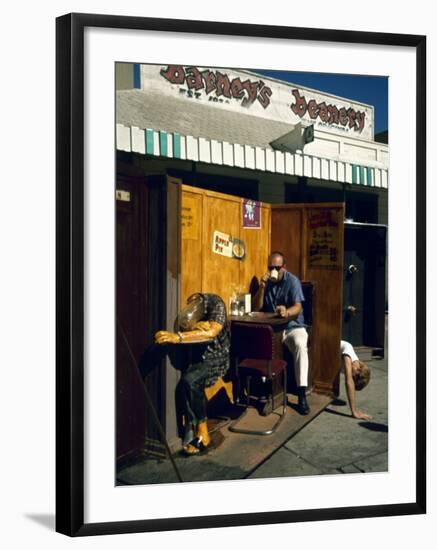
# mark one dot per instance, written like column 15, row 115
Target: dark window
column 239, row 187
column 361, row 207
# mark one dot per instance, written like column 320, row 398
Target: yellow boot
column 201, row 441
column 202, row 433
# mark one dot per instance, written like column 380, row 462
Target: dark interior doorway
column 364, row 287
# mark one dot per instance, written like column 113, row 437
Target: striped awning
column 173, row 145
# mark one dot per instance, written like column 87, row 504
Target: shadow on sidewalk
column 374, row 426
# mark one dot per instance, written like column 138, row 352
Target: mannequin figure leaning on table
column 281, row 292
column 203, row 322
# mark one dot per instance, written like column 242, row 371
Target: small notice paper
column 222, row 244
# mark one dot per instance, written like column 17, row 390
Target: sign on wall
column 323, row 239
column 251, row 214
column 190, row 217
column 244, row 91
column 228, row 246
column 222, row 244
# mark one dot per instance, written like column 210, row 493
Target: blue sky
column 372, row 90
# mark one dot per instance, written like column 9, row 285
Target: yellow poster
column 190, row 217
column 323, row 238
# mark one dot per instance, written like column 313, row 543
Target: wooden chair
column 308, row 289
column 252, row 347
column 220, row 383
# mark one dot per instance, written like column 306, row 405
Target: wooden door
column 139, row 300
column 353, row 293
column 364, row 285
column 311, row 238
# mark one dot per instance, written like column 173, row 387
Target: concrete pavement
column 334, row 442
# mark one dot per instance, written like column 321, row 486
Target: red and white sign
column 254, row 94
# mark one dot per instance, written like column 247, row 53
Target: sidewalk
column 334, row 442
column 329, row 441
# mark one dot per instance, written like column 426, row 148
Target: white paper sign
column 222, row 244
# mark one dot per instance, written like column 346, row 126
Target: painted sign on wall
column 217, row 84
column 328, row 114
column 190, row 217
column 244, row 91
column 323, row 241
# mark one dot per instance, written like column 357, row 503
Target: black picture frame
column 70, row 272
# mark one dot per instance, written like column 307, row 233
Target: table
column 277, row 323
column 188, row 344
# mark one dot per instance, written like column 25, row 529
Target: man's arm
column 294, row 297
column 350, row 389
column 258, row 299
column 290, row 312
column 202, row 329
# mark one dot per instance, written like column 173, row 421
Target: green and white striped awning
column 198, row 149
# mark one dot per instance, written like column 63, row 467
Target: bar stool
column 252, row 347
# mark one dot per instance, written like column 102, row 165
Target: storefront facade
column 170, row 114
column 249, row 136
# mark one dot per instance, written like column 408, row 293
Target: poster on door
column 251, row 214
column 323, row 239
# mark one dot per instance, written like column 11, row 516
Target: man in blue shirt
column 280, row 291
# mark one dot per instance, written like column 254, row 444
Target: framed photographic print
column 240, row 274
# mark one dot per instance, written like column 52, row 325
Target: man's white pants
column 297, row 342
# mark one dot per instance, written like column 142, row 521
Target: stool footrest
column 261, row 366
